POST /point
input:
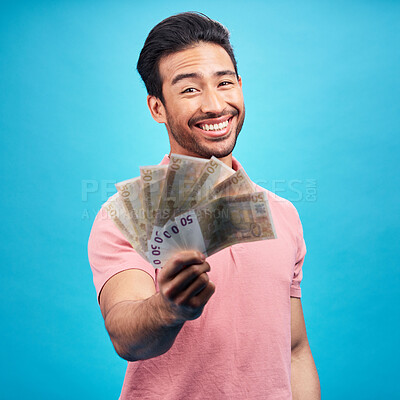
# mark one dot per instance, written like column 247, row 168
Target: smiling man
column 231, row 327
column 202, row 105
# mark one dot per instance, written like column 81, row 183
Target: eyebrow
column 198, row 76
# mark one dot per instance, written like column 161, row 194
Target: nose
column 212, row 102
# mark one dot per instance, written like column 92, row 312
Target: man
column 230, row 327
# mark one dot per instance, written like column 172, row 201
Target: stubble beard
column 190, row 144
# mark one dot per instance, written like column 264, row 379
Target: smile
column 214, row 129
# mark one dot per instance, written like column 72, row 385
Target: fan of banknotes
column 189, row 204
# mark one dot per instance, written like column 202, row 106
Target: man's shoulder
column 278, row 203
column 103, row 225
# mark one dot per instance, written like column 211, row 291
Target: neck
column 227, row 160
column 175, row 148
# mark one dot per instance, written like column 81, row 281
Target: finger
column 179, row 261
column 204, row 295
column 194, row 306
column 184, row 279
column 194, row 289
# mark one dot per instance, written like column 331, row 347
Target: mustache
column 195, row 120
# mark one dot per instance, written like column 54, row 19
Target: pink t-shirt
column 240, row 347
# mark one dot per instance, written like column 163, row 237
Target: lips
column 214, row 121
column 210, row 127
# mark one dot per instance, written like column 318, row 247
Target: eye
column 189, row 90
column 226, row 83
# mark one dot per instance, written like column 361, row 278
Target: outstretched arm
column 142, row 323
column 305, row 380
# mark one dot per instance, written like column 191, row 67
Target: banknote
column 193, row 167
column 227, row 221
column 163, row 244
column 192, row 203
column 238, row 183
column 182, row 172
column 117, row 212
column 216, row 225
column 213, row 173
column 153, row 179
column 129, row 193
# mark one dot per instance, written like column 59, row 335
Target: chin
column 218, row 148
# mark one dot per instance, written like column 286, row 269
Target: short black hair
column 174, row 34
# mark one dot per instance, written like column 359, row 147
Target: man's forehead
column 199, row 75
column 196, row 62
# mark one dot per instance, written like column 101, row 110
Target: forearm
column 141, row 329
column 305, row 380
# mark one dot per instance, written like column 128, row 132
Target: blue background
column 321, row 87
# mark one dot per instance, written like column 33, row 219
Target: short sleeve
column 110, row 253
column 295, row 290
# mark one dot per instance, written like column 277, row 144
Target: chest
column 257, row 267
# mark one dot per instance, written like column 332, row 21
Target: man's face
column 204, row 108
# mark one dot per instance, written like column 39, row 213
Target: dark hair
column 174, row 34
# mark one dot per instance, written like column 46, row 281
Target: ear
column 157, row 109
column 240, row 81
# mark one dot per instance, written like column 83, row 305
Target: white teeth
column 214, row 127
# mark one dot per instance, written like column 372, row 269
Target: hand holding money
column 185, row 286
column 191, row 204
